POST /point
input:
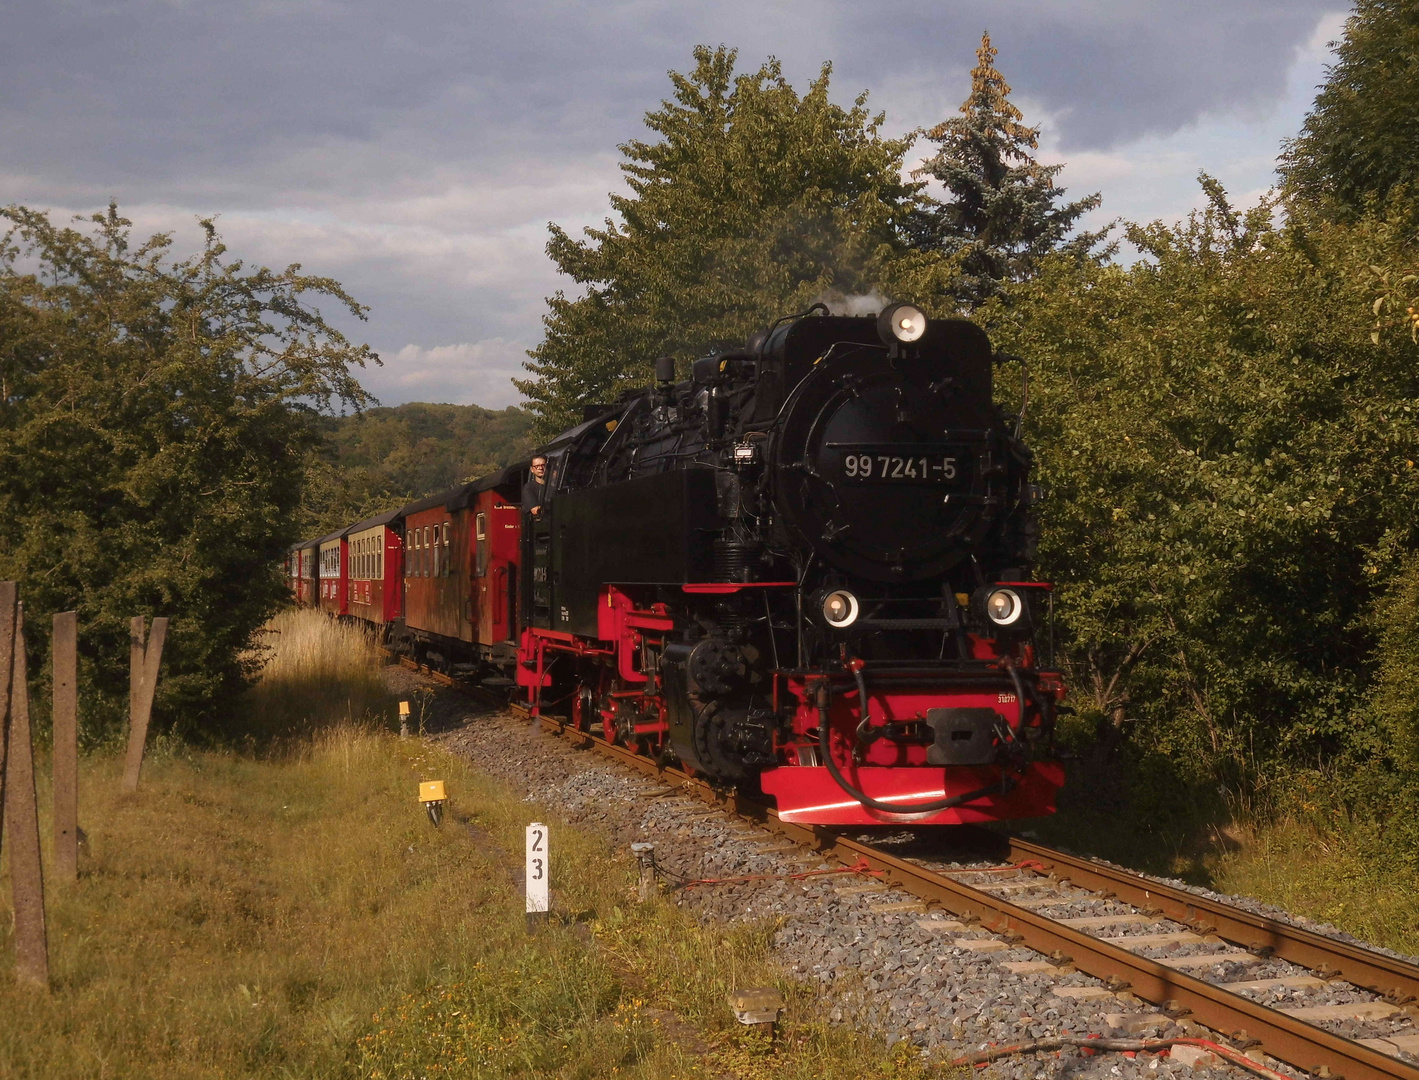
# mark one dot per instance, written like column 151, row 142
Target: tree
column 1225, row 434
column 1002, row 215
column 753, row 203
column 1396, row 625
column 155, row 419
column 380, row 458
column 1361, row 137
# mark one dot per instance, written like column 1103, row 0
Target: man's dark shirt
column 533, row 494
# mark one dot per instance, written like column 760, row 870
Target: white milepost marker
column 537, row 905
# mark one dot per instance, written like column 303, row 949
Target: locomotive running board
column 808, row 794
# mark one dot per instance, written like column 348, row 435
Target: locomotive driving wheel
column 583, row 708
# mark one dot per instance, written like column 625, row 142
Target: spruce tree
column 1361, row 137
column 753, row 202
column 1002, row 214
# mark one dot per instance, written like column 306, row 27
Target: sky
column 417, row 151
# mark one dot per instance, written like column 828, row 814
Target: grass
column 1347, row 873
column 295, row 914
column 1301, row 855
column 317, row 673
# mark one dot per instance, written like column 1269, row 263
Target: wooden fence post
column 142, row 680
column 22, row 817
column 9, row 593
column 65, row 652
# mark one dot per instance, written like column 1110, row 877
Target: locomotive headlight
column 1004, row 607
column 901, row 324
column 840, row 609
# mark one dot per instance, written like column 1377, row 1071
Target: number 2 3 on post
column 536, row 877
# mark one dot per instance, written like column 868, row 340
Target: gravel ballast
column 883, row 962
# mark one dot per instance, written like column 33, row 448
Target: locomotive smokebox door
column 963, row 736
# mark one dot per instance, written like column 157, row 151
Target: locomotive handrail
column 734, row 586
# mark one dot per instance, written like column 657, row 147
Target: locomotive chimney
column 665, row 370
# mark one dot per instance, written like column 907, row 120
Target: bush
column 155, row 420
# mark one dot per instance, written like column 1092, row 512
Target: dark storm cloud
column 163, row 91
column 416, row 150
column 148, row 90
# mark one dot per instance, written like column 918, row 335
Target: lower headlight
column 1004, row 607
column 840, row 609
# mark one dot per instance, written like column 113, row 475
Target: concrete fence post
column 64, row 650
column 142, row 680
column 22, row 821
column 9, row 596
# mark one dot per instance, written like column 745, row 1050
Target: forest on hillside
column 382, row 457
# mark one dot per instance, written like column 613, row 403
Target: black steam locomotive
column 805, row 568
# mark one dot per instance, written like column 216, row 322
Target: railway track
column 1210, row 945
column 1241, row 975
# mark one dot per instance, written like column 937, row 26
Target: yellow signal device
column 403, row 708
column 432, row 795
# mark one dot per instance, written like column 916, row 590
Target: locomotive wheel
column 583, row 708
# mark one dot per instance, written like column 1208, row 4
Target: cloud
column 468, row 373
column 416, row 152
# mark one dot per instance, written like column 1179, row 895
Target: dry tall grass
column 317, row 673
column 1345, row 873
column 298, row 916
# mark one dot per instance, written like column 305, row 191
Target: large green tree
column 1226, row 433
column 753, row 202
column 155, row 420
column 1361, row 138
column 1002, row 212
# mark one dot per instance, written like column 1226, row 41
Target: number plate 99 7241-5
column 904, row 464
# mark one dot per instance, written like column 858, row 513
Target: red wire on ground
column 1094, row 1042
column 860, row 867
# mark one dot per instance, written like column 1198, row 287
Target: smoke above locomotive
column 805, row 568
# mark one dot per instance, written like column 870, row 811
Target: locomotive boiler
column 805, row 569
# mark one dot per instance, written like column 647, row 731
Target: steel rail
column 1287, row 1038
column 1394, row 979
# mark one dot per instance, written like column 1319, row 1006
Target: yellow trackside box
column 431, row 791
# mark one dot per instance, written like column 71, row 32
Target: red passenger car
column 460, row 564
column 497, row 549
column 333, row 595
column 306, row 593
column 437, row 589
column 293, row 571
column 376, row 578
column 300, row 571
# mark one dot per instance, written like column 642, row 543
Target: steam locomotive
column 802, row 570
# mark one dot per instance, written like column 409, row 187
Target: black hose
column 866, row 720
column 824, row 704
column 1019, row 690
